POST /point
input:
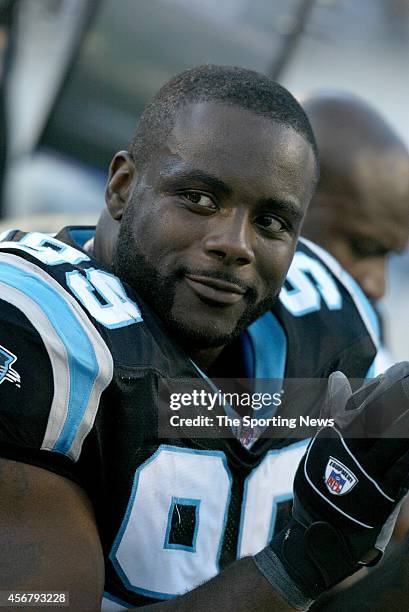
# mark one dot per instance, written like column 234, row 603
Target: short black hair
column 228, row 85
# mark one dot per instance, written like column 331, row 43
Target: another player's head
column 360, row 211
column 209, row 200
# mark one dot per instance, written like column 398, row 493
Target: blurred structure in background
column 7, row 37
column 82, row 70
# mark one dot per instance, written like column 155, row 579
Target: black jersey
column 80, row 362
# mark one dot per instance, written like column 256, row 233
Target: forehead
column 380, row 203
column 381, row 180
column 240, row 146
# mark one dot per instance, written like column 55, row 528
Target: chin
column 202, row 337
column 201, row 331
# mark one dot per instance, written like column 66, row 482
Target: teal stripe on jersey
column 269, row 346
column 80, row 354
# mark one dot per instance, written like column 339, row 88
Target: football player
column 359, row 213
column 187, row 276
column 360, row 210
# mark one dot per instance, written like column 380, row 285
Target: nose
column 371, row 276
column 230, row 239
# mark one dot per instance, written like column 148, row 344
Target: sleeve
column 26, row 380
column 26, row 393
column 362, row 337
column 54, row 366
column 369, row 342
column 358, row 320
column 383, row 360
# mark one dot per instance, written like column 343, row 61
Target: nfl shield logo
column 338, row 478
column 335, row 482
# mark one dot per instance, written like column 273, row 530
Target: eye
column 365, row 247
column 200, row 200
column 270, row 223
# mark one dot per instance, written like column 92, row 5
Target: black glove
column 347, row 491
column 375, row 410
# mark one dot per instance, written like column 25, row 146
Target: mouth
column 215, row 290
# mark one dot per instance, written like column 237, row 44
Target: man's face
column 362, row 228
column 210, row 229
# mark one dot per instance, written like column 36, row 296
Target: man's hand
column 372, row 410
column 347, row 491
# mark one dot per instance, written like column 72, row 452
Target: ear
column 121, row 180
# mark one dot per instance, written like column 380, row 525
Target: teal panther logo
column 7, row 359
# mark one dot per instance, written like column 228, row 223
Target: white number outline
column 119, row 537
column 297, row 448
column 302, row 444
column 306, row 296
column 34, row 243
column 92, row 286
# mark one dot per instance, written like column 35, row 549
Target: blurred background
column 76, row 74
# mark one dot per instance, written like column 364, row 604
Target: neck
column 205, row 358
column 106, row 235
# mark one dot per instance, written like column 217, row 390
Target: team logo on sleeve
column 338, row 478
column 7, row 359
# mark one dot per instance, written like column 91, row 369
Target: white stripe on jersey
column 4, row 235
column 360, row 300
column 57, row 352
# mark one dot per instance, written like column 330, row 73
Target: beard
column 158, row 290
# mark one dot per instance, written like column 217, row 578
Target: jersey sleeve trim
column 7, row 234
column 360, row 300
column 81, row 362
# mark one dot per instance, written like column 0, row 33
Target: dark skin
column 360, row 211
column 218, row 212
column 48, row 540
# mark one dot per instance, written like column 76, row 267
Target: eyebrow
column 287, row 207
column 198, row 176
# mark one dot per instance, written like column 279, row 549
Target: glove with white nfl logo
column 348, row 490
